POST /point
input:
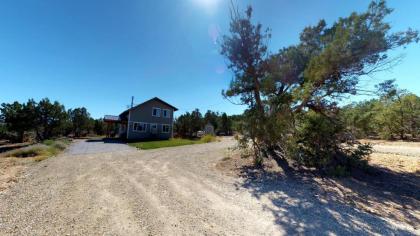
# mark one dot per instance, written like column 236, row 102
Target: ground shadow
column 301, row 205
column 106, row 140
column 9, row 147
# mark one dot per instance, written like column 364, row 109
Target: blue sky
column 99, row 53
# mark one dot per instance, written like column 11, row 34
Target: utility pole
column 132, row 101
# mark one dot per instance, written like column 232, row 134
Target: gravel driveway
column 98, row 188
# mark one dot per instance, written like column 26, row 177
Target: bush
column 323, row 143
column 208, row 138
column 28, row 152
column 40, row 151
column 48, row 142
column 57, row 144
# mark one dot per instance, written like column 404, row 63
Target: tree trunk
column 21, row 135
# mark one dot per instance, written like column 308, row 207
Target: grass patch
column 40, row 158
column 28, row 152
column 40, row 152
column 48, row 142
column 145, row 145
column 208, row 138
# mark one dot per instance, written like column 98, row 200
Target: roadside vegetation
column 188, row 124
column 41, row 151
column 38, row 121
column 293, row 95
column 145, row 145
column 15, row 161
column 394, row 115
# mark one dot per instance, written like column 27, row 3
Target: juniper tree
column 326, row 65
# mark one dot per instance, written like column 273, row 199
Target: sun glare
column 208, row 5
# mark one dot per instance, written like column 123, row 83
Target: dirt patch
column 5, row 146
column 10, row 170
column 15, row 161
column 175, row 191
column 396, row 162
column 392, row 191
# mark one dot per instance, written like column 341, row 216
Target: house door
column 153, row 128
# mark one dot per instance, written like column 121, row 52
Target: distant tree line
column 292, row 95
column 395, row 114
column 189, row 123
column 44, row 120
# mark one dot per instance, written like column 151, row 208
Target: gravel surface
column 400, row 150
column 98, row 188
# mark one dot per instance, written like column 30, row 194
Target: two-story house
column 152, row 119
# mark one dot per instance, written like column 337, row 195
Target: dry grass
column 10, row 169
column 396, row 162
column 14, row 162
column 391, row 143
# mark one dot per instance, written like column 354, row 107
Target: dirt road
column 98, row 188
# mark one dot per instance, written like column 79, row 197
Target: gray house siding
column 143, row 114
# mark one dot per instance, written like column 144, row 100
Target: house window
column 139, row 127
column 165, row 113
column 156, row 112
column 165, row 128
column 153, row 128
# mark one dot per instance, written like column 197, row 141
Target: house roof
column 156, row 99
column 111, row 118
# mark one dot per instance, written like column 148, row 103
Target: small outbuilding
column 209, row 129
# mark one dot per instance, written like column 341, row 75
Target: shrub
column 56, row 144
column 48, row 142
column 40, row 151
column 59, row 145
column 208, row 138
column 323, row 143
column 28, row 152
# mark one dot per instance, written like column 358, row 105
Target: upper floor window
column 166, row 113
column 156, row 112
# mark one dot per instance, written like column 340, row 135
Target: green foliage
column 211, row 117
column 359, row 118
column 225, row 124
column 40, row 152
column 99, row 127
column 322, row 142
column 3, row 131
column 50, row 119
column 292, row 95
column 28, row 152
column 45, row 119
column 57, row 144
column 48, row 142
column 187, row 124
column 396, row 114
column 208, row 138
column 183, row 125
column 81, row 121
column 19, row 117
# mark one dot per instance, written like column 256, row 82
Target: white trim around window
column 157, row 113
column 166, row 113
column 140, row 127
column 166, row 131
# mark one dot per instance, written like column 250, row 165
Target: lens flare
column 208, row 5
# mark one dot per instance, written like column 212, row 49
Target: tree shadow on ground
column 302, row 204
